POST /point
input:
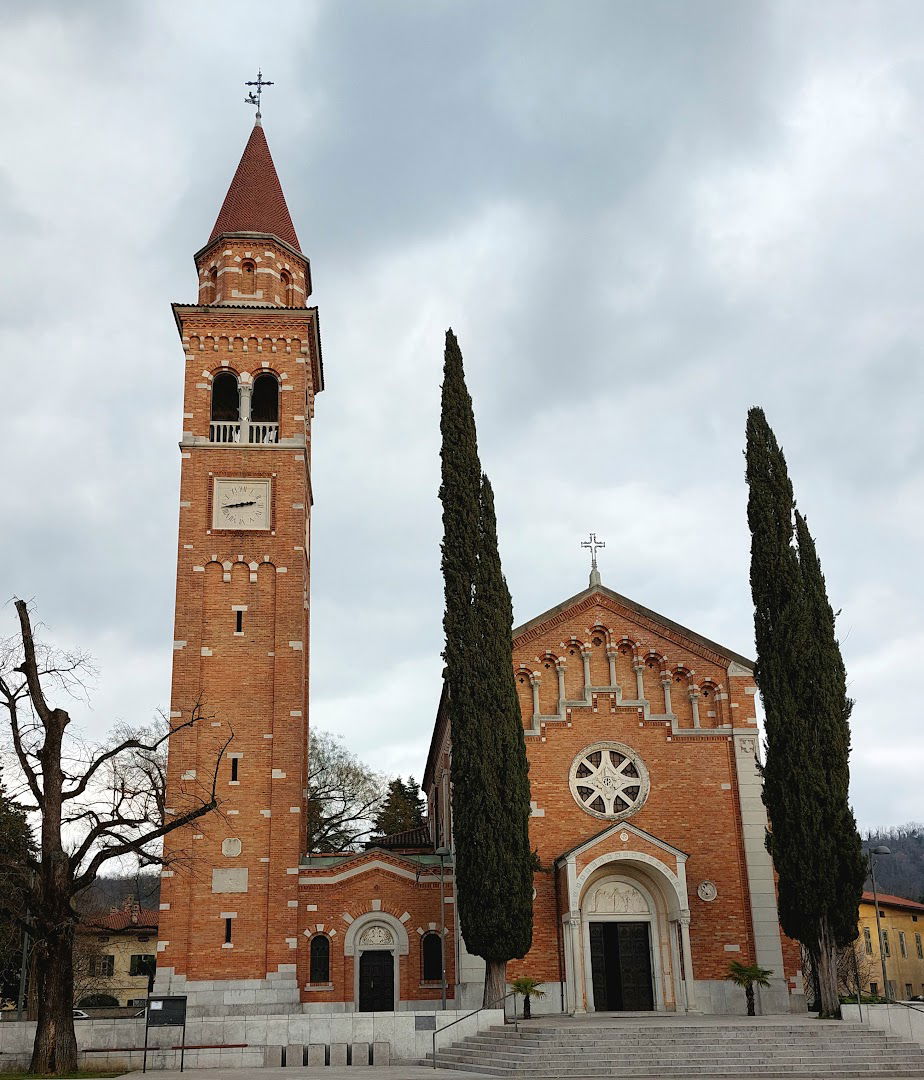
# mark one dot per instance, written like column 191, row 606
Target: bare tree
column 344, row 795
column 95, row 804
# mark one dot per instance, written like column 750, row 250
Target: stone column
column 560, row 671
column 585, row 660
column 534, row 685
column 687, row 962
column 246, row 390
column 694, row 702
column 567, row 929
column 666, row 686
column 639, row 684
column 680, row 987
column 611, row 661
column 574, row 926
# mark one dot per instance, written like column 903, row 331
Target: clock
column 241, row 504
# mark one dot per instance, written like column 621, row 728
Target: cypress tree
column 490, row 787
column 500, row 902
column 800, row 673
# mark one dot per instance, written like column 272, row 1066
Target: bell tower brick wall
column 229, row 924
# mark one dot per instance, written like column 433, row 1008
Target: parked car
column 79, row 1014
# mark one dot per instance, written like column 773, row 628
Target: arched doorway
column 377, row 971
column 376, row 941
column 618, row 917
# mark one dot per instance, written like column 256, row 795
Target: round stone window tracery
column 609, row 780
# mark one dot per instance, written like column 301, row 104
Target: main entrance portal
column 620, row 957
column 376, row 981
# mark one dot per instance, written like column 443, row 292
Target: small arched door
column 376, row 980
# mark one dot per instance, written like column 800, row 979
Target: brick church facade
column 641, row 734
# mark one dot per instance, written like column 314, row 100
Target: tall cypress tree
column 490, row 786
column 813, row 836
column 499, row 908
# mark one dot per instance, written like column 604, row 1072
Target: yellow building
column 114, row 954
column 902, row 924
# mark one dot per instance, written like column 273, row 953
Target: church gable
column 646, row 620
column 603, row 652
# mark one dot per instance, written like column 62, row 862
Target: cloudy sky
column 640, row 219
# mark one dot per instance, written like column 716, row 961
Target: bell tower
column 252, row 351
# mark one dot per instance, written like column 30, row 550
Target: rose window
column 609, row 780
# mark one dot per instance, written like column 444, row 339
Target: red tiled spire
column 255, row 202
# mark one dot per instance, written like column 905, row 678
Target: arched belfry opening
column 264, row 409
column 226, row 409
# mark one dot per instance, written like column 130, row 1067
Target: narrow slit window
column 228, row 925
column 239, row 622
column 234, row 762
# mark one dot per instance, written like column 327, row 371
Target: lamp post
column 443, row 852
column 881, row 850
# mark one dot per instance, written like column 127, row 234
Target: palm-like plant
column 528, row 988
column 748, row 976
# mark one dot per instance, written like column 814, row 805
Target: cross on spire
column 254, row 98
column 594, row 545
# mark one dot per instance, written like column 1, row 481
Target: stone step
column 489, row 1041
column 816, row 1072
column 655, row 1030
column 867, row 1055
column 796, row 1054
column 662, row 1050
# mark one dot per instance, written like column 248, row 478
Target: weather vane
column 594, row 544
column 254, row 98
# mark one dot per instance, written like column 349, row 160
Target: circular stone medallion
column 707, row 891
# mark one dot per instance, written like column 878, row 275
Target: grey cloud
column 640, row 219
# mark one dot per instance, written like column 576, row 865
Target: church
column 641, row 734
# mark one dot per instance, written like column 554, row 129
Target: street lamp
column 443, row 853
column 881, row 850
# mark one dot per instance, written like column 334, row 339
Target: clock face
column 241, row 504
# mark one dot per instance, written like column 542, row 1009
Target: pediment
column 602, row 838
column 599, row 596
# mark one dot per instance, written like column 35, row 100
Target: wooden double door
column 620, row 957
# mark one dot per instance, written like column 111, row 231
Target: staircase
column 658, row 1047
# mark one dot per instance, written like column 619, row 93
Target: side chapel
column 641, row 734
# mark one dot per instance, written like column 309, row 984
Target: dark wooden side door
column 376, row 981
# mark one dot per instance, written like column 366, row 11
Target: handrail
column 904, row 1005
column 458, row 1020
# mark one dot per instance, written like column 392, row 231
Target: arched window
column 212, row 295
column 264, row 405
column 226, row 403
column 432, row 958
column 285, row 282
column 248, row 278
column 319, row 971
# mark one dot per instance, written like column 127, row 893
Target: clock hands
column 234, row 506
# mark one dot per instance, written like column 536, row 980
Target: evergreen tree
column 17, row 864
column 813, row 836
column 490, row 787
column 403, row 808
